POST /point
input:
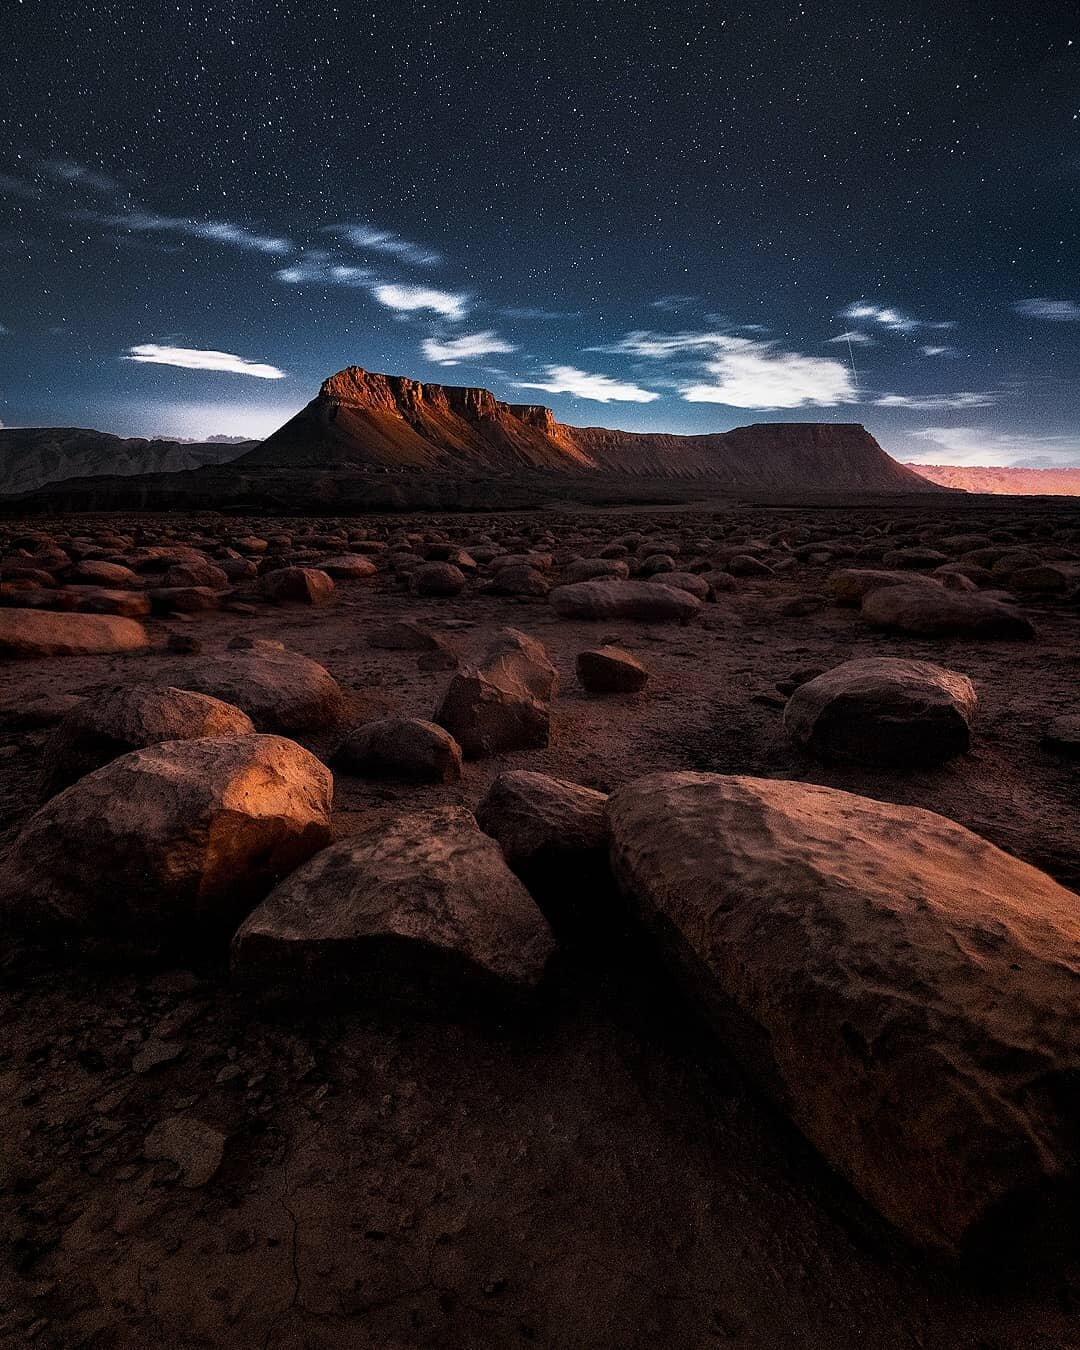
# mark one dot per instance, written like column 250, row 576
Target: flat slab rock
column 35, row 632
column 408, row 901
column 903, row 989
column 932, row 611
column 649, row 601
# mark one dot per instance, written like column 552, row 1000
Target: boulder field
column 393, row 945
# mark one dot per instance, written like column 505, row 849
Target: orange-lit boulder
column 168, row 840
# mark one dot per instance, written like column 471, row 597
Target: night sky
column 683, row 217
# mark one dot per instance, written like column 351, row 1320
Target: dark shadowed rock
column 169, row 839
column 401, row 747
column 406, row 903
column 592, row 569
column 128, row 718
column 1063, row 735
column 519, row 579
column 850, row 584
column 690, row 582
column 485, row 718
column 882, row 710
column 298, row 585
column 536, row 818
column 279, row 690
column 903, row 989
column 438, row 578
column 404, row 635
column 610, row 670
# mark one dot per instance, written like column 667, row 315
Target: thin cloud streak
column 939, row 402
column 197, row 358
column 368, row 238
column 581, row 384
column 1055, row 311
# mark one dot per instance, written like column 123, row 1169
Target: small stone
column 196, row 1148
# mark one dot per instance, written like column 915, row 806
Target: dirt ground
column 592, row 1174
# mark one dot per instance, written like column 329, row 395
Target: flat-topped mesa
column 362, row 419
column 358, row 388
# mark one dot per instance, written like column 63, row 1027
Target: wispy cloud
column 450, row 351
column 538, row 312
column 407, row 298
column 939, row 402
column 672, row 303
column 68, row 171
column 979, row 445
column 319, row 268
column 600, row 388
column 889, row 317
column 11, row 186
column 855, row 338
column 196, row 358
column 937, row 351
column 213, row 231
column 661, row 346
column 369, row 238
column 1056, row 311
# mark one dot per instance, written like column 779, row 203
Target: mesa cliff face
column 361, row 419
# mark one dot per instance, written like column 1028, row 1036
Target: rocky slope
column 32, row 456
column 360, row 418
column 1061, row 482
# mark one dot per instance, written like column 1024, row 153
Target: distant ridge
column 1019, row 482
column 361, row 419
column 32, row 456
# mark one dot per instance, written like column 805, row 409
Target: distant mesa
column 996, row 479
column 386, row 442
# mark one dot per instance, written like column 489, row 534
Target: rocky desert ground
column 574, row 928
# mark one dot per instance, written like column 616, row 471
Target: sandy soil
column 594, row 1174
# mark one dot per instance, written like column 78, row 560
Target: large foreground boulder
column 883, row 710
column 278, row 689
column 648, row 601
column 168, row 840
column 34, row 632
column 114, row 723
column 903, row 989
column 932, row 611
column 408, row 902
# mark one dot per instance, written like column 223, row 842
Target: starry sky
column 678, row 216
